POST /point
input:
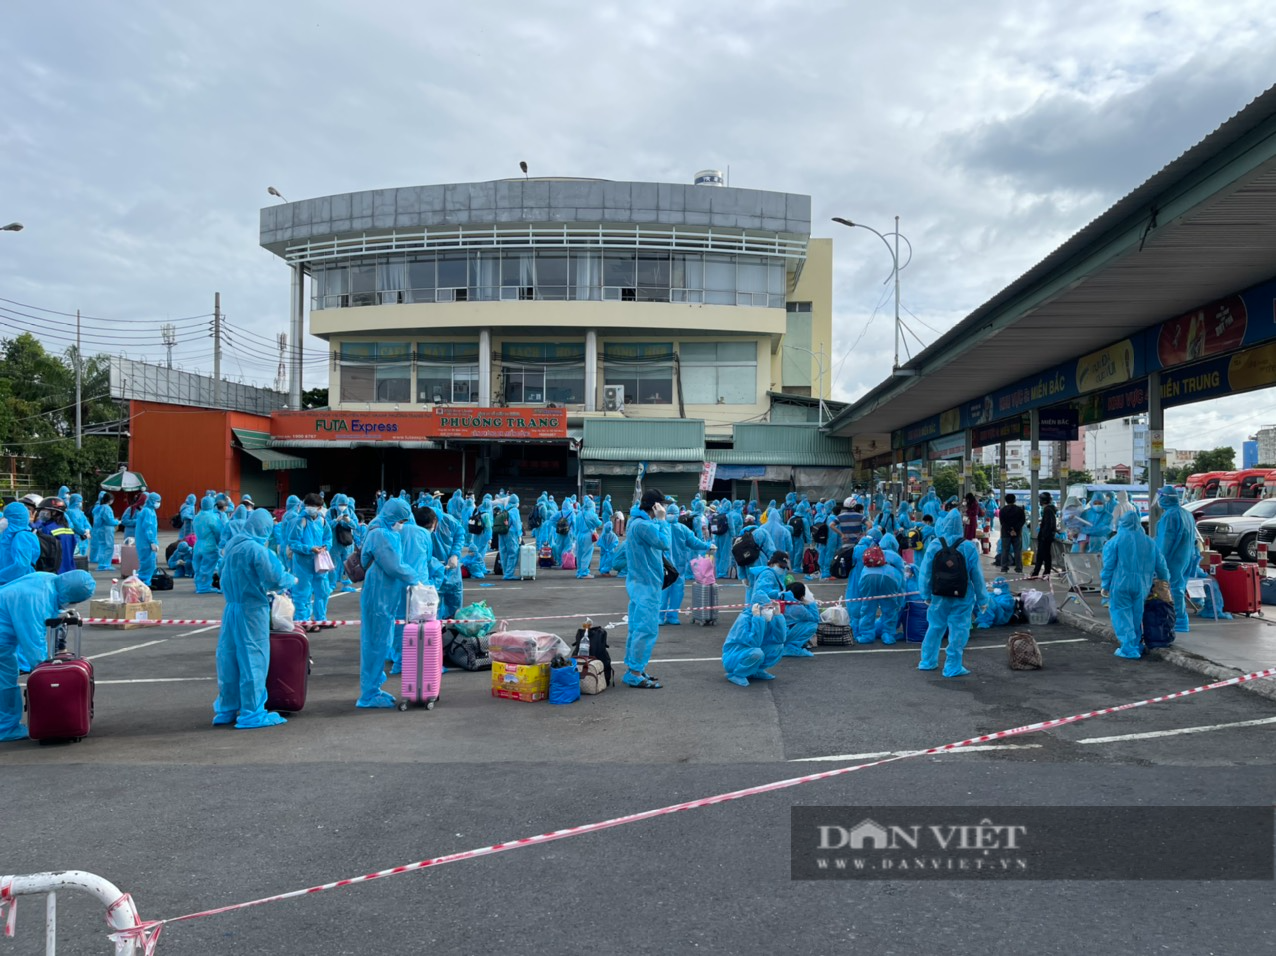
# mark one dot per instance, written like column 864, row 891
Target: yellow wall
column 815, row 285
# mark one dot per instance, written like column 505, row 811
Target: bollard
column 1262, row 557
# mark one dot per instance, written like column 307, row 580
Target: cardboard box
column 525, row 682
column 139, row 613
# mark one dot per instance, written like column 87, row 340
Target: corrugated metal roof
column 1201, row 228
column 272, row 460
column 643, row 439
column 248, row 438
column 788, row 444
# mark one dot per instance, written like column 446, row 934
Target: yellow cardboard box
column 526, row 682
column 137, row 614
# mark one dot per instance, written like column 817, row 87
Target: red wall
column 182, row 450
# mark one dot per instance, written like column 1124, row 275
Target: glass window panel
column 465, row 383
column 619, row 269
column 394, row 383
column 392, row 274
column 485, row 269
column 565, row 385
column 551, row 275
column 393, row 351
column 688, row 271
column 737, row 385
column 626, row 378
column 746, row 352
column 453, row 270
column 655, row 386
column 719, row 274
column 359, row 351
column 653, row 277
column 363, row 284
column 719, row 298
column 751, row 275
column 357, row 383
column 421, row 279
column 693, row 352
column 699, row 385
column 775, row 277
column 433, row 383
column 585, row 276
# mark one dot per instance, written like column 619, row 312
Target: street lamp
column 275, row 192
column 12, row 227
column 819, row 357
column 895, row 268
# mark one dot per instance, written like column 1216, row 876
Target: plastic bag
column 323, row 561
column 702, row 570
column 1039, row 606
column 423, row 602
column 474, row 620
column 135, row 592
column 564, row 684
column 281, row 614
column 835, row 615
column 526, row 647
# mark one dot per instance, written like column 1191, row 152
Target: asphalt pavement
column 185, row 816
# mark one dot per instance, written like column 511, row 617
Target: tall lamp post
column 819, row 357
column 12, row 227
column 896, row 266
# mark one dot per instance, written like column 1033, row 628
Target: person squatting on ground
column 880, row 592
column 801, row 618
column 950, row 610
column 1131, row 561
column 754, row 643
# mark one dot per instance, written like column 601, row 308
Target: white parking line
column 902, row 753
column 904, row 649
column 1174, row 733
column 136, row 647
column 153, row 680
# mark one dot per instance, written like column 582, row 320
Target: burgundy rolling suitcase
column 60, row 690
column 1240, row 584
column 289, row 672
column 422, row 664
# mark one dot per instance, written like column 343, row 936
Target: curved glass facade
column 620, row 275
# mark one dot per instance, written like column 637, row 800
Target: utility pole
column 281, row 371
column 168, row 333
column 897, row 330
column 79, row 384
column 217, row 349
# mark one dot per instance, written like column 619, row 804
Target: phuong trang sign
column 538, row 424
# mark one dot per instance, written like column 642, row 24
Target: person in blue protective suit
column 310, row 535
column 930, row 504
column 421, row 500
column 1001, row 605
column 879, row 591
column 1176, row 539
column 186, row 514
column 587, row 522
column 456, row 505
column 718, row 518
column 469, row 507
column 748, row 572
column 683, row 546
column 754, row 643
column 510, row 542
column 645, row 544
column 78, row 523
column 698, row 524
column 768, row 583
column 1131, row 561
column 292, row 511
column 948, row 613
column 801, row 618
column 446, row 534
column 608, row 542
column 1100, row 523
column 24, row 607
column 102, row 549
column 182, row 561
column 605, row 509
column 342, row 519
column 128, row 520
column 207, row 528
column 482, row 542
column 148, row 538
column 19, row 547
column 735, row 518
column 778, row 531
column 857, row 563
column 387, row 578
column 562, row 540
column 833, row 542
column 249, row 573
column 418, row 554
column 243, row 509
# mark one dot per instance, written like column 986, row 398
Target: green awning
column 250, row 439
column 796, row 445
column 642, row 453
column 272, row 460
column 650, row 439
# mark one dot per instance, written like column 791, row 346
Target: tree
column 314, row 398
column 1079, row 478
column 1216, row 459
column 947, row 480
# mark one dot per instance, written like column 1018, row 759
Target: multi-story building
column 1117, row 444
column 1266, row 438
column 653, row 324
column 1019, row 459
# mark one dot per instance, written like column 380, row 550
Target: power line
column 98, row 318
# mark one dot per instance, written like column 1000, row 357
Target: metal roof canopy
column 788, row 444
column 1201, row 228
column 639, row 439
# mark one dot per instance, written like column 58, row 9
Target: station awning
column 631, row 439
column 257, row 444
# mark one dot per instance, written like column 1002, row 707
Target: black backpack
column 948, row 577
column 343, row 534
column 797, row 526
column 475, row 524
column 745, row 550
column 564, row 526
column 841, row 566
column 820, row 533
column 720, row 524
column 685, row 519
column 534, row 520
column 50, row 558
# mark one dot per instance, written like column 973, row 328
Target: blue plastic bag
column 564, row 684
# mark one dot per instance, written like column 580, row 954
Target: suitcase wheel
column 429, row 705
column 403, row 705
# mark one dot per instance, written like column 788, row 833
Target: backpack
column 820, row 534
column 592, row 646
column 50, row 558
column 564, row 526
column 343, row 534
column 810, row 561
column 841, row 566
column 797, row 526
column 874, row 557
column 1158, row 624
column 500, row 523
column 745, row 550
column 948, row 576
column 355, row 570
column 1024, row 653
column 685, row 519
column 915, row 540
column 475, row 524
column 534, row 520
column 719, row 524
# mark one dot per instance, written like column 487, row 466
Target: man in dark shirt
column 1012, row 520
column 1047, row 530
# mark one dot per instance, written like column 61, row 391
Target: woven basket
column 833, row 635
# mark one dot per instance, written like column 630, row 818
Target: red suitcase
column 288, row 675
column 422, row 664
column 60, row 690
column 1240, row 584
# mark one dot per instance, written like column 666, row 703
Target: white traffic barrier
column 131, row 936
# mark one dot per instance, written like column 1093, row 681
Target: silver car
column 1239, row 534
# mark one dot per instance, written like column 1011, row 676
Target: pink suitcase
column 60, row 690
column 289, row 672
column 422, row 664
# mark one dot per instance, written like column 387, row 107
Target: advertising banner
column 708, row 471
column 470, row 423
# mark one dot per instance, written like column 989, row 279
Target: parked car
column 1239, row 533
column 1213, row 508
column 1267, row 534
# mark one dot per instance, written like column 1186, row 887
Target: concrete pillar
column 1034, row 463
column 485, row 368
column 591, row 371
column 1156, row 426
column 296, row 332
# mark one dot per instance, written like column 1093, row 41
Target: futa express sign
column 471, row 423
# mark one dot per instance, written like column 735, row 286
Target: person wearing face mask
column 343, row 522
column 148, row 538
column 644, row 549
column 279, row 540
column 684, row 545
column 103, row 534
column 511, row 540
column 586, row 523
column 249, row 573
column 387, row 577
column 753, row 644
column 801, row 618
column 187, row 515
column 310, row 536
column 205, row 560
column 244, row 508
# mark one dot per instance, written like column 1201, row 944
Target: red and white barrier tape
column 150, row 930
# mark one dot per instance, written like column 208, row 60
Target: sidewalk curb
column 1186, row 659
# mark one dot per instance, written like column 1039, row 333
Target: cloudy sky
column 137, row 139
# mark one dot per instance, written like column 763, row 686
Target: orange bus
column 1204, row 484
column 1247, row 483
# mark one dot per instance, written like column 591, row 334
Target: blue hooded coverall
column 19, row 547
column 644, row 548
column 24, row 607
column 147, row 539
column 1176, row 539
column 187, row 515
column 207, row 531
column 607, row 544
column 78, row 522
column 511, row 541
column 951, row 614
column 587, row 522
column 1131, row 561
column 248, row 572
column 879, row 590
column 418, row 554
column 683, row 546
column 387, row 578
column 752, row 645
column 307, row 537
column 181, row 562
column 801, row 618
column 103, row 543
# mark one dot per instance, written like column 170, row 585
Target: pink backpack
column 569, row 560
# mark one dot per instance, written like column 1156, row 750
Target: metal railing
column 129, row 934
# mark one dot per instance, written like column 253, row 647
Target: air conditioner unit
column 613, row 398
